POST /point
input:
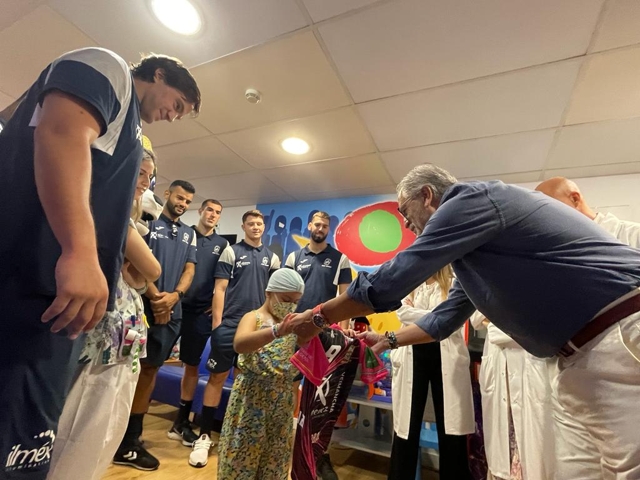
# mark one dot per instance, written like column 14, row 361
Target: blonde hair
column 136, row 208
column 444, row 278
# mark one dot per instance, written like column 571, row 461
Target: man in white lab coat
column 577, row 456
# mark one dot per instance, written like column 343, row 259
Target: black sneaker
column 136, row 456
column 324, row 469
column 182, row 432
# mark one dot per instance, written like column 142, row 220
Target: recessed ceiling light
column 295, row 146
column 178, row 15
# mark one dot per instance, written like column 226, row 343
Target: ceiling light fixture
column 295, row 146
column 178, row 15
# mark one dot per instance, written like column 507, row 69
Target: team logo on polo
column 265, row 261
column 185, row 237
column 23, row 458
column 216, row 250
column 327, row 263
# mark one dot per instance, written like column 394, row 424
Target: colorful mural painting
column 369, row 230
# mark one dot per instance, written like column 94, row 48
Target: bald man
column 569, row 193
column 576, row 455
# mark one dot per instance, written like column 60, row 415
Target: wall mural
column 369, row 230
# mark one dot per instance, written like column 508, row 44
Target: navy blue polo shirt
column 248, row 269
column 537, row 268
column 29, row 250
column 322, row 273
column 173, row 244
column 210, row 247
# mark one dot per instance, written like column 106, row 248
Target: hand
column 351, row 333
column 377, row 342
column 162, row 318
column 302, row 325
column 81, row 295
column 288, row 324
column 408, row 302
column 163, row 302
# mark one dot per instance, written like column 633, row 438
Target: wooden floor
column 349, row 464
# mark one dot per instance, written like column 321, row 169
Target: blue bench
column 167, row 389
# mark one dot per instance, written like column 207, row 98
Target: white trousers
column 597, row 411
column 93, row 421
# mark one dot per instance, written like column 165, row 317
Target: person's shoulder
column 100, row 59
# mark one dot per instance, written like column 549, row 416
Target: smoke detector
column 253, row 96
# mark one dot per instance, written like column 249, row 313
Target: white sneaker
column 200, row 454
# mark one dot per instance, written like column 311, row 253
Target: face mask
column 282, row 309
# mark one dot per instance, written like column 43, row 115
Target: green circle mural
column 380, row 231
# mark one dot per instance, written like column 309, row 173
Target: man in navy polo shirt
column 241, row 279
column 196, row 308
column 69, row 157
column 326, row 272
column 174, row 245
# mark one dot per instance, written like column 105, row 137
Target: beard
column 172, row 209
column 318, row 237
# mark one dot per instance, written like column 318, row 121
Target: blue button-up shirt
column 538, row 269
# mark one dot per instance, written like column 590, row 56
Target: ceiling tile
column 608, row 88
column 520, row 152
column 5, row 101
column 15, row 10
column 620, row 25
column 349, row 193
column 323, row 9
column 292, row 74
column 520, row 177
column 165, row 133
column 594, row 170
column 519, row 101
column 338, row 133
column 247, row 186
column 32, row 43
column 346, row 173
column 204, row 157
column 129, row 28
column 597, row 144
column 408, row 45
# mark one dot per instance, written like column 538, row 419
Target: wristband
column 391, row 340
column 143, row 290
column 274, row 330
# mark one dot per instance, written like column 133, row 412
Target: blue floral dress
column 256, row 442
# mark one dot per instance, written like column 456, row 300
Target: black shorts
column 222, row 356
column 194, row 335
column 36, row 372
column 160, row 338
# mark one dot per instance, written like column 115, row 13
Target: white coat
column 627, row 232
column 456, row 378
column 508, row 372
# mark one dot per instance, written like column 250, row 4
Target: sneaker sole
column 198, row 465
column 138, row 467
column 176, row 436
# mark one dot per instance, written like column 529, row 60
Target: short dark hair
column 210, row 200
column 186, row 186
column 252, row 213
column 176, row 75
column 321, row 214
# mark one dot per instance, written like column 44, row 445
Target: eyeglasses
column 174, row 230
column 402, row 209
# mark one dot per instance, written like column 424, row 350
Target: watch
column 318, row 319
column 180, row 294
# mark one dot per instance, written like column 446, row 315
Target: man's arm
column 62, row 160
column 217, row 304
column 344, row 324
column 165, row 301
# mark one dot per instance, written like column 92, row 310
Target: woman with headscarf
column 256, row 441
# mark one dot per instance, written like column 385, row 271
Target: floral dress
column 256, row 442
column 120, row 337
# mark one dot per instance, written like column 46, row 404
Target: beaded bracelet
column 274, row 330
column 392, row 340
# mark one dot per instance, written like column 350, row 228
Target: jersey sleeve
column 291, row 261
column 275, row 262
column 224, row 267
column 344, row 271
column 193, row 248
column 100, row 78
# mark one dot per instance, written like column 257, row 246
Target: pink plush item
column 312, row 361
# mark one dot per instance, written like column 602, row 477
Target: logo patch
column 21, row 459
